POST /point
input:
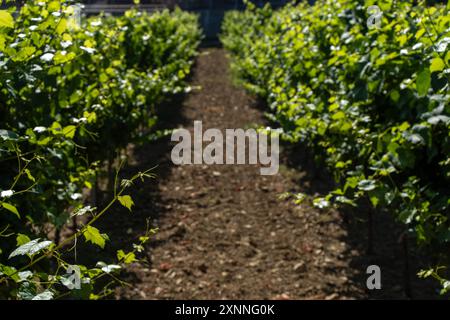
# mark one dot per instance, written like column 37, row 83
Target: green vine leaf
column 126, row 201
column 69, row 131
column 126, row 257
column 8, row 135
column 30, row 248
column 93, row 235
column 46, row 295
column 6, row 19
column 108, row 268
column 423, row 81
column 21, row 239
column 11, row 208
column 437, row 64
column 367, row 185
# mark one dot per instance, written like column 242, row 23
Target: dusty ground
column 224, row 232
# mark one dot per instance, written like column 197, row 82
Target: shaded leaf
column 8, row 135
column 423, row 81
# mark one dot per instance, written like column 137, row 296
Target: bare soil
column 225, row 233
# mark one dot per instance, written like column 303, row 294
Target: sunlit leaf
column 6, row 19
column 126, row 201
column 31, row 248
column 93, row 235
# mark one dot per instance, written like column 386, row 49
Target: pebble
column 300, row 267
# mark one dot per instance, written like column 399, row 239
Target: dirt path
column 224, row 232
